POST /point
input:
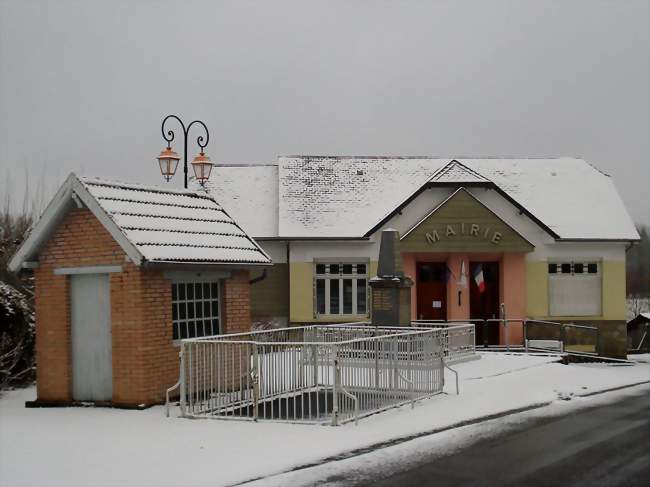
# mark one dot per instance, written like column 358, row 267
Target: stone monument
column 391, row 290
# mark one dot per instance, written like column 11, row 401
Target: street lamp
column 168, row 159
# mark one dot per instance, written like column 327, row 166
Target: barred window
column 341, row 288
column 574, row 288
column 195, row 309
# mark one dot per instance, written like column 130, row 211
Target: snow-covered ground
column 102, row 447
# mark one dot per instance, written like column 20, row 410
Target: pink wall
column 512, row 284
column 513, row 293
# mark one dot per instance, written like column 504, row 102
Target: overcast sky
column 84, row 85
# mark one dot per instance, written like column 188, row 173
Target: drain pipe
column 259, row 278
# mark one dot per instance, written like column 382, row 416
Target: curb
column 403, row 439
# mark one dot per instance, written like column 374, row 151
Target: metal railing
column 458, row 339
column 572, row 338
column 566, row 337
column 312, row 374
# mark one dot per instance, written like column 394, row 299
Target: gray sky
column 84, row 85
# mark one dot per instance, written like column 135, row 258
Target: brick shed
column 123, row 272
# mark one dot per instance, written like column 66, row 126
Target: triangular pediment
column 456, row 172
column 462, row 223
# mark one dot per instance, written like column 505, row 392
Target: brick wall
column 236, row 303
column 145, row 360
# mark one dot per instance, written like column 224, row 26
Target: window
column 195, row 309
column 341, row 288
column 574, row 289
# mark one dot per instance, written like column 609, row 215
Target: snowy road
column 607, row 443
column 100, row 447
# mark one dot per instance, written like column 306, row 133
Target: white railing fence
column 313, row 374
column 458, row 339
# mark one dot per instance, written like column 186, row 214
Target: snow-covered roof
column 330, row 197
column 249, row 194
column 152, row 224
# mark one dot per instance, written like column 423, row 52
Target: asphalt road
column 607, row 445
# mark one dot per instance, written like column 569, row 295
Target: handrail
column 170, row 389
column 356, row 403
column 640, row 343
column 456, row 374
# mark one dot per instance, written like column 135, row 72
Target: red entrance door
column 485, row 305
column 431, row 291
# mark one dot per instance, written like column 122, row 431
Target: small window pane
column 592, row 268
column 215, row 326
column 206, row 309
column 361, row 268
column 347, row 268
column 181, row 311
column 334, row 297
column 566, row 268
column 190, row 309
column 190, row 292
column 175, row 332
column 174, row 311
column 361, row 296
column 320, row 268
column 214, row 290
column 174, row 292
column 199, row 311
column 198, row 290
column 578, row 268
column 215, row 308
column 425, row 274
column 320, row 296
column 552, row 268
column 347, row 296
column 438, row 273
column 183, row 329
column 181, row 292
column 206, row 290
column 200, row 329
column 334, row 269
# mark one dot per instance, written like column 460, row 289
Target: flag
column 478, row 278
column 462, row 282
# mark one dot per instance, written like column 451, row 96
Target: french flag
column 478, row 278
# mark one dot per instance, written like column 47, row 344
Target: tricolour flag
column 462, row 282
column 478, row 278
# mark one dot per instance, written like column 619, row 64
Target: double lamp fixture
column 168, row 159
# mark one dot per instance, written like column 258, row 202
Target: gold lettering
column 496, row 238
column 432, row 237
column 474, row 230
column 450, row 231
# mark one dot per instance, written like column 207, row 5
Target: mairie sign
column 470, row 229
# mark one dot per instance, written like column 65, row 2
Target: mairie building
column 540, row 239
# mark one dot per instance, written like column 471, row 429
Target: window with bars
column 341, row 288
column 574, row 288
column 195, row 309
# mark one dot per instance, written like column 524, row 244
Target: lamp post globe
column 202, row 166
column 168, row 161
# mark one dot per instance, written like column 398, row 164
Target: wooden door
column 485, row 305
column 431, row 291
column 90, row 308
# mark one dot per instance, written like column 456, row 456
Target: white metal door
column 92, row 368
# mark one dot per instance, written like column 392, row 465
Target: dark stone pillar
column 391, row 290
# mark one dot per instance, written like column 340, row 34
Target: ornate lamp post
column 168, row 159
